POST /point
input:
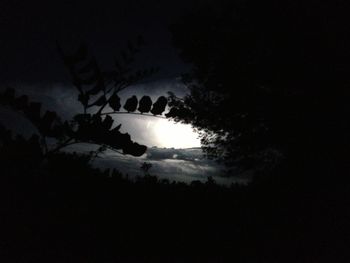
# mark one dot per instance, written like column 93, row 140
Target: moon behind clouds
column 177, row 135
column 163, row 133
column 153, row 131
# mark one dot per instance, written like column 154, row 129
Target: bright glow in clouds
column 170, row 134
column 143, row 129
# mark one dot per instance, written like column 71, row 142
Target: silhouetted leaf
column 131, row 104
column 159, row 106
column 118, row 140
column 114, row 102
column 145, row 104
column 134, row 149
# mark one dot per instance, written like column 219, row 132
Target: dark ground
column 69, row 212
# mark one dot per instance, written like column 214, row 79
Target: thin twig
column 133, row 113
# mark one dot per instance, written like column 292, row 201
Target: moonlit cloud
column 154, row 131
column 147, row 130
column 158, row 132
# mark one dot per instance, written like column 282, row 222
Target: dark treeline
column 63, row 210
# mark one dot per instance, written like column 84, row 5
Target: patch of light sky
column 147, row 130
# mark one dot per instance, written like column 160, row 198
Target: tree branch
column 133, row 113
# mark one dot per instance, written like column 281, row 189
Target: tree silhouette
column 268, row 81
column 145, row 167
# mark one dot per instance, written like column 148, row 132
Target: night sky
column 30, row 62
column 29, row 31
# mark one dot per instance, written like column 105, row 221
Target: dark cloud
column 184, row 165
column 190, row 154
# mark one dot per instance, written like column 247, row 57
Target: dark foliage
column 145, row 104
column 64, row 210
column 269, row 82
column 159, row 106
column 131, row 104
